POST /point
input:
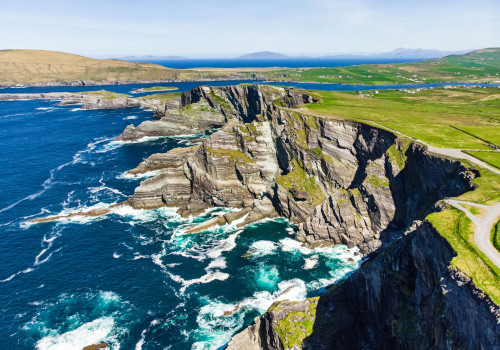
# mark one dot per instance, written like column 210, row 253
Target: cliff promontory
column 342, row 182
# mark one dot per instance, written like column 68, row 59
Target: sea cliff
column 342, row 182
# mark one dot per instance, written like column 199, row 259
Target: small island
column 154, row 88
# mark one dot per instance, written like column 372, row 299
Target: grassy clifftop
column 39, row 66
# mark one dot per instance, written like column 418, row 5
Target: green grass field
column 440, row 117
column 492, row 158
column 167, row 96
column 104, row 94
column 495, row 236
column 161, row 88
column 478, row 66
column 454, row 225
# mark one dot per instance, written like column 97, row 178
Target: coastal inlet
column 130, row 279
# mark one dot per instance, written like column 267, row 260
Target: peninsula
column 340, row 167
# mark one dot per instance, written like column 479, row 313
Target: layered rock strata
column 342, row 182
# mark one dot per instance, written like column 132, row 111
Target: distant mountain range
column 269, row 55
column 264, row 55
column 398, row 53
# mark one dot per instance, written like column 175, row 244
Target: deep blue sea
column 131, row 279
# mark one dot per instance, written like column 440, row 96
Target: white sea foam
column 9, row 278
column 225, row 245
column 116, row 255
column 291, row 245
column 27, row 270
column 46, row 109
column 143, row 215
column 63, row 324
column 78, row 157
column 127, row 176
column 81, row 219
column 76, row 109
column 104, row 188
column 12, row 115
column 218, row 321
column 130, row 117
column 213, row 273
column 99, row 330
column 262, row 248
column 310, row 263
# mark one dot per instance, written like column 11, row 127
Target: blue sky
column 227, row 28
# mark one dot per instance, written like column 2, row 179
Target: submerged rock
column 96, row 346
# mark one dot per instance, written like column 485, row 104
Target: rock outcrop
column 87, row 100
column 408, row 297
column 342, row 182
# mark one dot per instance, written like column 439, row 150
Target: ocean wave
column 310, row 263
column 78, row 157
column 12, row 115
column 97, row 331
column 145, row 215
column 46, row 109
column 104, row 188
column 262, row 248
column 47, row 243
column 87, row 319
column 218, row 321
column 127, row 176
column 213, row 273
column 11, row 277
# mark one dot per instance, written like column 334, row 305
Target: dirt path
column 484, row 225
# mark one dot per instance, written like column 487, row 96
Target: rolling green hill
column 477, row 66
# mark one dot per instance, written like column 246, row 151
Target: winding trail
column 483, row 224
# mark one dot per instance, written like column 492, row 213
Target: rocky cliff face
column 342, row 182
column 408, row 297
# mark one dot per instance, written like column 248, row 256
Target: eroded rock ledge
column 342, row 182
column 345, row 183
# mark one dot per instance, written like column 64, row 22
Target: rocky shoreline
column 342, row 182
column 131, row 82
